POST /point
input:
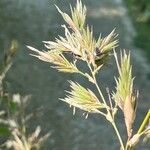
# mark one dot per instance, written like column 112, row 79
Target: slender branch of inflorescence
column 96, row 84
column 110, row 118
column 119, row 136
column 103, row 114
column 109, row 115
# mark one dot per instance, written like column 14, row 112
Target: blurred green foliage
column 7, row 105
column 141, row 9
column 140, row 12
column 13, row 113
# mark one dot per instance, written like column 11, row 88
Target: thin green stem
column 118, row 135
column 108, row 110
column 96, row 84
column 130, row 148
column 103, row 114
column 147, row 117
column 141, row 129
column 99, row 90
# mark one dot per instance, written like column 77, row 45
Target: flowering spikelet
column 81, row 41
column 70, row 43
column 107, row 43
column 79, row 15
column 56, row 58
column 125, row 96
column 83, row 98
column 104, row 47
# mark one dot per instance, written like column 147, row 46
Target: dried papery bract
column 145, row 132
column 125, row 97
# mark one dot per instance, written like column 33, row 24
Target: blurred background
column 29, row 22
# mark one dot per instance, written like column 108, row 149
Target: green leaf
column 4, row 131
column 13, row 106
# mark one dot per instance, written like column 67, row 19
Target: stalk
column 118, row 135
column 96, row 84
column 111, row 121
column 108, row 111
column 147, row 117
